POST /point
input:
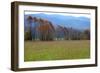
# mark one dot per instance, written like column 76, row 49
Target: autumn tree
column 46, row 30
column 42, row 29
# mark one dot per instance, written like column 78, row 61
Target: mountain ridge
column 68, row 21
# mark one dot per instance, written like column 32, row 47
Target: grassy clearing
column 56, row 50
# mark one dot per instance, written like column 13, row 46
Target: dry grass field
column 56, row 50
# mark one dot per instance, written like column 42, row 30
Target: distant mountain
column 64, row 20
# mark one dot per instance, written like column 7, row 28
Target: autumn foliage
column 42, row 29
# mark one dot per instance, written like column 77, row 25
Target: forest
column 44, row 30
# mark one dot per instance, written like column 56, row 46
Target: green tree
column 86, row 34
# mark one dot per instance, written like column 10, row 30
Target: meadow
column 56, row 50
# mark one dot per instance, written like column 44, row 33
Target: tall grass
column 56, row 50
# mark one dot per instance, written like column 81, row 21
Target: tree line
column 44, row 30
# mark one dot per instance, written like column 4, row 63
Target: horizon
column 87, row 15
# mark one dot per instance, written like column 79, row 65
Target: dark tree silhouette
column 29, row 19
column 85, row 34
